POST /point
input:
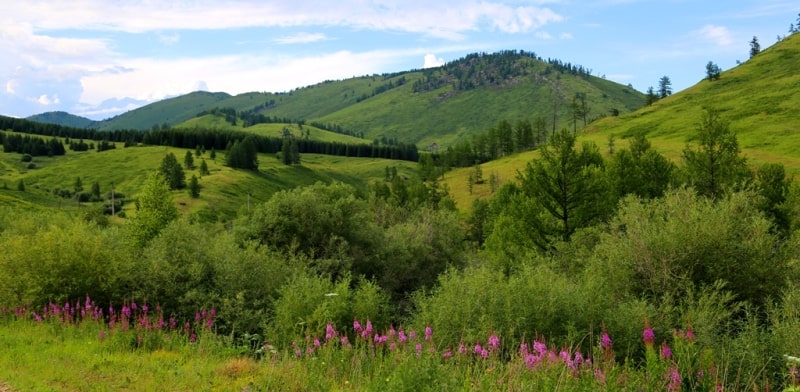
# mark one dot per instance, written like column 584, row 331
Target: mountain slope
column 760, row 97
column 438, row 105
column 63, row 118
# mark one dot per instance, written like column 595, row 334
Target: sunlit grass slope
column 760, row 97
column 273, row 130
column 223, row 192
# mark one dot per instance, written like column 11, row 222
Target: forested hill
column 436, row 105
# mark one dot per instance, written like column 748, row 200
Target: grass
column 79, row 349
column 223, row 192
column 273, row 130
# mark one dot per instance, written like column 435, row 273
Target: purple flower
column 343, row 341
column 462, row 348
column 193, row 337
column 484, row 353
column 666, row 352
column 478, row 348
column 674, row 379
column 316, row 342
column 447, row 354
column 605, row 341
column 428, row 333
column 418, row 347
column 356, row 325
column 649, row 336
column 494, row 342
column 368, row 329
column 402, row 336
column 330, row 332
column 412, row 335
column 689, row 334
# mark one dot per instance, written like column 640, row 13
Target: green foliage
column 639, row 170
column 194, row 187
column 665, row 247
column 713, row 71
column 204, row 168
column 242, row 155
column 188, row 160
column 172, row 172
column 308, row 302
column 716, row 164
column 154, row 210
column 562, row 182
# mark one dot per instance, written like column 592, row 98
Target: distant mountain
column 437, row 105
column 760, row 97
column 63, row 118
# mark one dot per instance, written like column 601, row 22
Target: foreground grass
column 134, row 348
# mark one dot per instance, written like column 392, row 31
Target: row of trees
column 33, row 146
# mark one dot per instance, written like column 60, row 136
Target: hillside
column 63, row 118
column 760, row 97
column 438, row 105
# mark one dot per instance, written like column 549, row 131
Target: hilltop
column 760, row 98
column 436, row 105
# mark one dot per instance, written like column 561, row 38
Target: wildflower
column 674, row 379
column 356, row 325
column 368, row 329
column 462, row 348
column 145, row 308
column 666, row 352
column 402, row 336
column 689, row 334
column 316, row 342
column 539, row 347
column 447, row 354
column 600, row 376
column 478, row 348
column 484, row 353
column 193, row 337
column 298, row 353
column 392, row 331
column 605, row 341
column 412, row 335
column 648, row 335
column 418, row 347
column 343, row 341
column 330, row 332
column 523, row 348
column 494, row 342
column 428, row 333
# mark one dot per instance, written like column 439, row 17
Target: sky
column 98, row 58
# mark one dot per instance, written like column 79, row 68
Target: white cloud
column 441, row 19
column 432, row 61
column 47, row 101
column 543, row 35
column 717, row 35
column 565, row 36
column 10, row 87
column 300, row 38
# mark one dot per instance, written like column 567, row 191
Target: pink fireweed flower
column 447, row 354
column 539, row 347
column 298, row 353
column 418, row 347
column 316, row 342
column 393, row 346
column 605, row 341
column 402, row 336
column 674, row 379
column 523, row 348
column 392, row 331
column 484, row 353
column 412, row 335
column 494, row 342
column 193, row 337
column 666, row 352
column 209, row 323
column 428, row 333
column 145, row 308
column 599, row 376
column 477, row 348
column 343, row 340
column 648, row 335
column 356, row 325
column 368, row 329
column 462, row 348
column 330, row 332
column 689, row 334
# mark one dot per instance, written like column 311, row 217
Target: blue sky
column 101, row 58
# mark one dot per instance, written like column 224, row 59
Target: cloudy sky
column 99, row 58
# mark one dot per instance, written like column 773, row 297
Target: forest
column 689, row 268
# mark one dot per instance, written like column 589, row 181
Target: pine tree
column 755, row 47
column 172, row 172
column 664, row 87
column 188, row 160
column 194, row 187
column 204, row 168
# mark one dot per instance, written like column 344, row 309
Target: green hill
column 63, row 118
column 760, row 97
column 209, row 121
column 223, row 192
column 438, row 105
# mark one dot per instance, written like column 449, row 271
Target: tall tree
column 172, row 172
column 204, row 168
column 712, row 71
column 716, row 163
column 194, row 187
column 664, row 87
column 650, row 97
column 188, row 160
column 568, row 184
column 755, row 47
column 154, row 210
